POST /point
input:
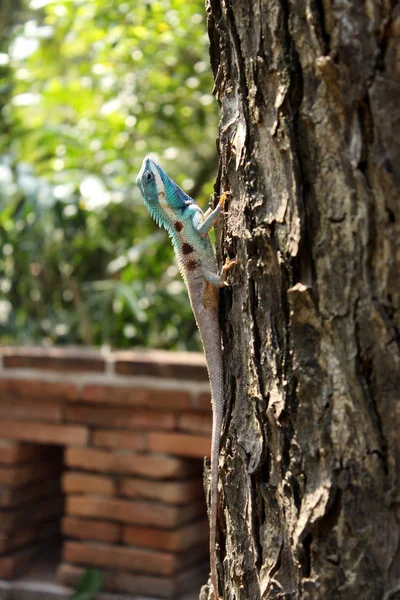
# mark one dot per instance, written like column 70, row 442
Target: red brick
column 55, row 359
column 175, row 365
column 117, row 581
column 45, row 433
column 174, row 540
column 180, row 444
column 15, row 539
column 155, row 467
column 43, row 510
column 119, row 557
column 32, row 408
column 132, row 559
column 10, row 498
column 195, row 422
column 204, row 402
column 83, row 483
column 169, row 492
column 124, row 440
column 36, row 388
column 19, row 475
column 12, row 453
column 136, row 584
column 122, row 418
column 88, row 529
column 133, row 511
column 137, row 396
column 11, row 565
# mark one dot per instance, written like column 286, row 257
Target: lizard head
column 164, row 199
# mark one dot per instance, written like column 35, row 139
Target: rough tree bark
column 309, row 148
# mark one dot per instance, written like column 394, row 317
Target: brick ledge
column 77, row 359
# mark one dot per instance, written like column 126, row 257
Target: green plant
column 95, row 86
column 89, row 585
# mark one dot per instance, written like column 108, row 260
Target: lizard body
column 188, row 227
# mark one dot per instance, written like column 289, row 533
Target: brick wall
column 134, row 428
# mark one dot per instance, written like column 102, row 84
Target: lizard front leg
column 211, row 215
column 219, row 280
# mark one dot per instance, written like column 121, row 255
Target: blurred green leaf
column 89, row 585
column 92, row 87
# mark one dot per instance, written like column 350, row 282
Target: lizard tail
column 207, row 321
column 215, row 446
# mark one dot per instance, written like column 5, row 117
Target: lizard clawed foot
column 223, row 197
column 229, row 263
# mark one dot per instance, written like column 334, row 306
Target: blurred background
column 87, row 89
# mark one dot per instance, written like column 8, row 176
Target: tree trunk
column 308, row 142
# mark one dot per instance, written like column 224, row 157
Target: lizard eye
column 148, row 176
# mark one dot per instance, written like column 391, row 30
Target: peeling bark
column 309, row 148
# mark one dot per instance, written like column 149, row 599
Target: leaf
column 112, row 80
column 89, row 585
column 128, row 292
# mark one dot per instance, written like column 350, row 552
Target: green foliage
column 89, row 585
column 96, row 86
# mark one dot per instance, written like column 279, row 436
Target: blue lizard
column 188, row 227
